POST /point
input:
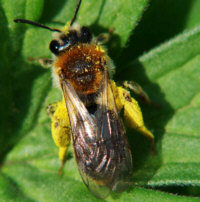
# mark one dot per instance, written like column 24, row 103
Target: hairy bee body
column 83, row 65
column 101, row 147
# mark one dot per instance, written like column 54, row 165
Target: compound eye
column 54, row 47
column 66, row 43
column 86, row 35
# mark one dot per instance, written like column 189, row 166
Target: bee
column 89, row 111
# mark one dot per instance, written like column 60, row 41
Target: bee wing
column 85, row 140
column 101, row 148
column 83, row 125
column 118, row 169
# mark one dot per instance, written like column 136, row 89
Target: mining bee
column 89, row 111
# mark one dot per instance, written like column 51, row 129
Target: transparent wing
column 85, row 141
column 118, row 169
column 101, row 148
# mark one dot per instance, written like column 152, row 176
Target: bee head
column 73, row 37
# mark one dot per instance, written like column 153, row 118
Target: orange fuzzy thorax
column 83, row 65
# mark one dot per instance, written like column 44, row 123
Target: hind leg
column 60, row 127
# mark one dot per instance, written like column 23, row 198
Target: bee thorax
column 83, row 65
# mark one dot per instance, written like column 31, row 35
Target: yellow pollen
column 65, row 29
column 58, row 70
column 99, row 48
column 88, row 58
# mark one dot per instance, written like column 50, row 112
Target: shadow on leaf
column 145, row 164
column 160, row 22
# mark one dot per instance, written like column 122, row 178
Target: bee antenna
column 36, row 24
column 76, row 11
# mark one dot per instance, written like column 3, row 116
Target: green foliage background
column 157, row 44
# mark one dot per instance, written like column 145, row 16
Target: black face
column 66, row 41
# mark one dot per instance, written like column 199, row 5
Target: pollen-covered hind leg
column 60, row 127
column 132, row 112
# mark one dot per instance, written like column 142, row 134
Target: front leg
column 137, row 89
column 104, row 37
column 44, row 62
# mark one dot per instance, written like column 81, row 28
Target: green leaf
column 160, row 22
column 29, row 161
column 169, row 74
column 193, row 19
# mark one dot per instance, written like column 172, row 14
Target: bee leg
column 104, row 37
column 137, row 89
column 62, row 157
column 60, row 127
column 45, row 62
column 132, row 112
